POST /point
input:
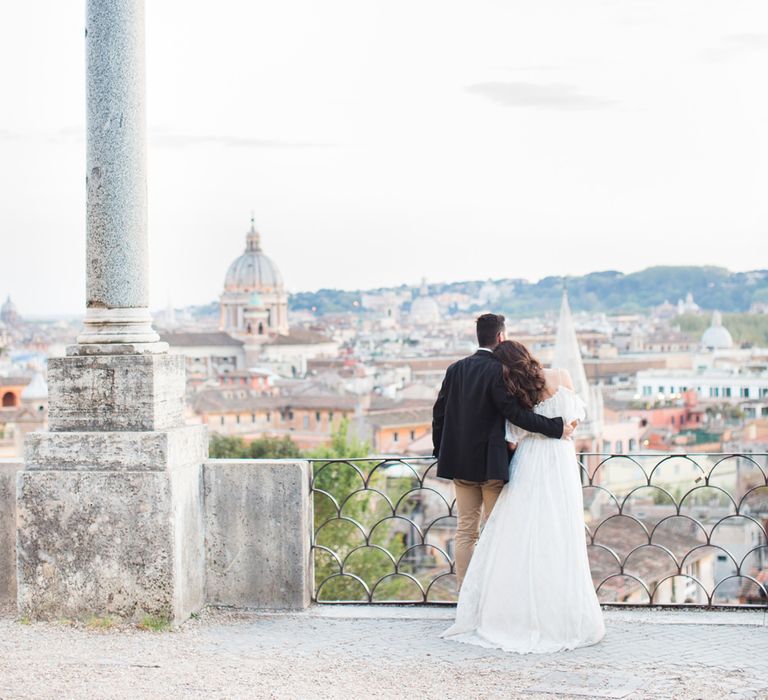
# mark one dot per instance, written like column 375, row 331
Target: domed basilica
column 254, row 305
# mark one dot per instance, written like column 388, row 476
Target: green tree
column 235, row 447
column 227, row 447
column 359, row 508
column 273, row 448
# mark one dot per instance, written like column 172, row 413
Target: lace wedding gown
column 528, row 588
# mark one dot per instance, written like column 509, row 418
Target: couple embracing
column 525, row 585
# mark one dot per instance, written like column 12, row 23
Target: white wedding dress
column 528, row 588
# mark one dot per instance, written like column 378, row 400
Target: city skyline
column 512, row 141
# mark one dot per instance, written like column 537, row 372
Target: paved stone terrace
column 342, row 652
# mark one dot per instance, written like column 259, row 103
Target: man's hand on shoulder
column 568, row 429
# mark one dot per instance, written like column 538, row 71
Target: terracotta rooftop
column 300, row 336
column 182, row 340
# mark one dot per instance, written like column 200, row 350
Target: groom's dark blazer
column 468, row 420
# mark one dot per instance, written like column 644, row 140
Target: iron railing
column 661, row 529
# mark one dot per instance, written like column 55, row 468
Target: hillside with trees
column 609, row 291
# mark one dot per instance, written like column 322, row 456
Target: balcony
column 681, row 622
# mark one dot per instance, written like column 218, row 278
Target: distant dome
column 717, row 336
column 8, row 311
column 424, row 309
column 252, row 271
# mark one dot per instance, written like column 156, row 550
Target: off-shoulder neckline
column 557, row 391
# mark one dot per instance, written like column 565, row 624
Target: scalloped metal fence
column 661, row 529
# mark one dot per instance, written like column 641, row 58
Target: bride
column 528, row 588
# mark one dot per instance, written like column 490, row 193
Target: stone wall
column 8, row 470
column 256, row 514
column 258, row 533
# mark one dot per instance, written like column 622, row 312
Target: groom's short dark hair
column 488, row 327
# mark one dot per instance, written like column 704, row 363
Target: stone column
column 117, row 290
column 109, row 504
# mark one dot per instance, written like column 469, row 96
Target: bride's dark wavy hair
column 522, row 372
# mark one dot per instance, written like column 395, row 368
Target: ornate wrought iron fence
column 661, row 529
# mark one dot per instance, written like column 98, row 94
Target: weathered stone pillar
column 117, row 289
column 109, row 505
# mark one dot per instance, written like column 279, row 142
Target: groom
column 468, row 434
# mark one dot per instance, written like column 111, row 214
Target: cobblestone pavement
column 340, row 652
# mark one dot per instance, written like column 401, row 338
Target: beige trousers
column 472, row 498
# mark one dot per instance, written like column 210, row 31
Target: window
column 269, row 417
column 253, row 417
column 619, row 447
column 632, row 444
column 647, row 391
column 744, row 392
column 317, row 416
column 221, row 420
column 395, row 437
column 237, row 418
column 290, row 415
column 305, row 422
column 413, row 435
column 661, row 390
column 330, row 416
column 726, row 391
column 672, row 420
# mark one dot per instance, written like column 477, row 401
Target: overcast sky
column 381, row 141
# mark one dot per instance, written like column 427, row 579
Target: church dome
column 717, row 336
column 424, row 309
column 252, row 271
column 8, row 311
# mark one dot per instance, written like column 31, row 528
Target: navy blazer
column 468, row 420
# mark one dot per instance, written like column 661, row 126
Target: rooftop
column 333, row 652
column 300, row 336
column 188, row 339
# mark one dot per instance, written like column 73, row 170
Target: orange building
column 394, row 432
column 389, row 426
column 10, row 391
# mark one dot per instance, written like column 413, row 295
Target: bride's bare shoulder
column 557, row 377
column 551, row 381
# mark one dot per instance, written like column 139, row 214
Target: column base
column 126, row 391
column 127, row 325
column 120, row 535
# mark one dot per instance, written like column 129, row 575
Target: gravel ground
column 379, row 653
